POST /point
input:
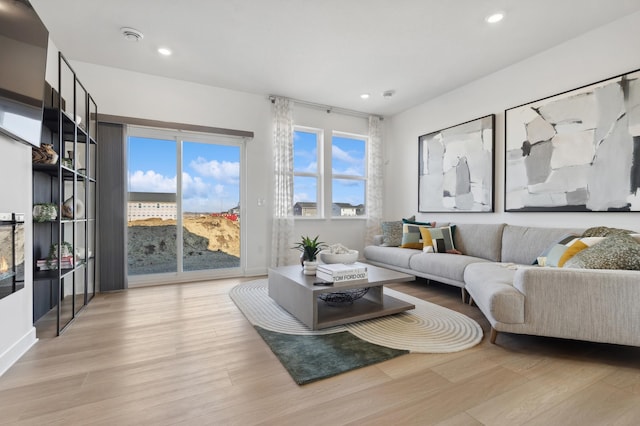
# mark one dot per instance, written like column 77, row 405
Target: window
column 307, row 175
column 184, row 185
column 348, row 175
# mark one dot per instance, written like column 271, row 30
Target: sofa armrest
column 585, row 304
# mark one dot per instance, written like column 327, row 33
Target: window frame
column 318, row 175
column 363, row 178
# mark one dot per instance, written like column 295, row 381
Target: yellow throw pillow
column 411, row 236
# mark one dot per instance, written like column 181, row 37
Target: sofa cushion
column 491, row 287
column 450, row 266
column 391, row 233
column 440, row 239
column 479, row 240
column 523, row 244
column 411, row 236
column 559, row 253
column 618, row 251
column 395, row 256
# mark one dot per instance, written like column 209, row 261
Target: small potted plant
column 310, row 249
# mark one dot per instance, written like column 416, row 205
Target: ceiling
column 323, row 51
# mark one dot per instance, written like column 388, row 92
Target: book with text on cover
column 337, row 272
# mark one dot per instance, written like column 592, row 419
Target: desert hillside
column 222, row 234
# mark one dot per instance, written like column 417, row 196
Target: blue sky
column 347, row 158
column 210, row 175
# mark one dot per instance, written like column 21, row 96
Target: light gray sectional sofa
column 496, row 269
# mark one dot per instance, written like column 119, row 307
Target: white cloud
column 151, row 181
column 225, row 171
column 194, row 186
column 219, row 189
column 355, row 165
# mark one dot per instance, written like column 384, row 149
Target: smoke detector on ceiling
column 131, row 34
column 388, row 93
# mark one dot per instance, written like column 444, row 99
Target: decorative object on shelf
column 309, row 267
column 45, row 154
column 66, row 257
column 81, row 253
column 70, row 206
column 576, row 151
column 309, row 248
column 345, row 297
column 455, row 168
column 68, row 161
column 67, row 250
column 338, row 253
column 45, row 212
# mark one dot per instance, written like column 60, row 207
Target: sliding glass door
column 183, row 206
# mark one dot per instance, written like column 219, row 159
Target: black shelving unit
column 70, row 126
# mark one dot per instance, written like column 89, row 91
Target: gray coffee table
column 296, row 293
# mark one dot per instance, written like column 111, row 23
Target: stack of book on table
column 340, row 272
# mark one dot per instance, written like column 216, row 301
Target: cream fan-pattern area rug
column 429, row 328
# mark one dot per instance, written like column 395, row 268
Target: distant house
column 234, row 210
column 146, row 205
column 304, row 208
column 346, row 209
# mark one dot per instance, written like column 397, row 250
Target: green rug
column 311, row 358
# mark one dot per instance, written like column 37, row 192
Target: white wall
column 126, row 93
column 17, row 333
column 131, row 94
column 602, row 53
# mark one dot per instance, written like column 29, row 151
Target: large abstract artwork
column 455, row 170
column 577, row 151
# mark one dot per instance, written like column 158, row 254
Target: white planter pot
column 309, row 267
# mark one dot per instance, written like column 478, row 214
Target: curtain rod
column 328, row 108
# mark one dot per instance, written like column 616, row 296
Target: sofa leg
column 464, row 295
column 470, row 301
column 494, row 334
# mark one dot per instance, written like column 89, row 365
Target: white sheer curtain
column 282, row 227
column 375, row 184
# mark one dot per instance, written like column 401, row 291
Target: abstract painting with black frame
column 578, row 151
column 455, row 168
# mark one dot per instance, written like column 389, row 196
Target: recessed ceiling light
column 365, row 96
column 164, row 51
column 496, row 17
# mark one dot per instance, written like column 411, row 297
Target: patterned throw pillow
column 411, row 236
column 392, row 233
column 618, row 251
column 559, row 253
column 438, row 240
column 604, row 231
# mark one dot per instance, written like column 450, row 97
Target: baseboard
column 15, row 352
column 255, row 272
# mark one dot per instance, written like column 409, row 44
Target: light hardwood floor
column 183, row 354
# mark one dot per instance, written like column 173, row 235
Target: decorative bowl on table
column 344, row 297
column 327, row 257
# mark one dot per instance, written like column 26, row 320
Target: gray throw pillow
column 392, row 233
column 617, row 251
